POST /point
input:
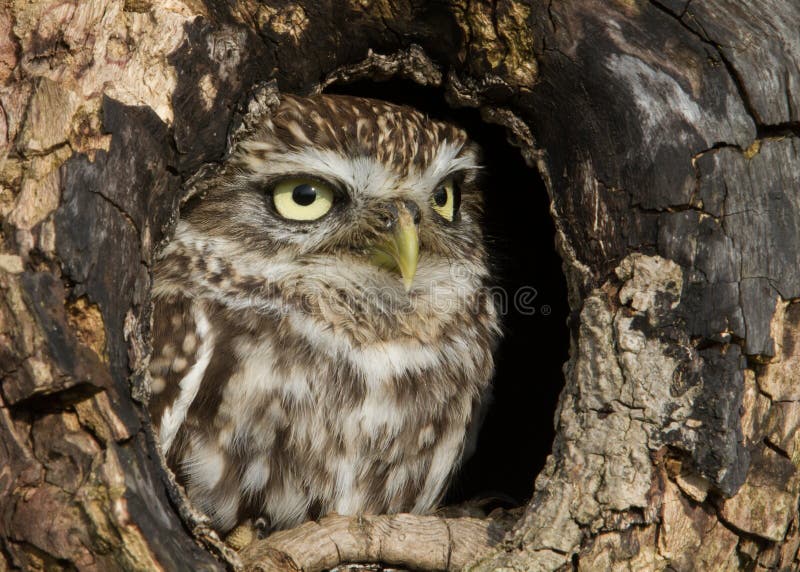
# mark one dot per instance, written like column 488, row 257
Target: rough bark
column 667, row 135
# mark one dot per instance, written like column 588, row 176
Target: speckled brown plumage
column 292, row 377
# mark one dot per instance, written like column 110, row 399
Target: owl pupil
column 440, row 197
column 304, row 194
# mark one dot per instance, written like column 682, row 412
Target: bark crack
column 551, row 16
column 686, row 8
column 763, row 130
column 120, row 210
column 772, row 446
column 29, row 154
column 704, row 37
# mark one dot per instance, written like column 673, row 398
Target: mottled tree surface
column 667, row 134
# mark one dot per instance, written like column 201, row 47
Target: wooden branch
column 419, row 542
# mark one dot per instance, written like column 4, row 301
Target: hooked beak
column 399, row 251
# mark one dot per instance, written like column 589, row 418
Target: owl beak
column 399, row 251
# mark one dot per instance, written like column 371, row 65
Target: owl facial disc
column 399, row 251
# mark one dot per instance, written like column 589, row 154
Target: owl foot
column 483, row 505
column 241, row 536
column 248, row 531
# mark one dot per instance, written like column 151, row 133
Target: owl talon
column 241, row 536
column 262, row 527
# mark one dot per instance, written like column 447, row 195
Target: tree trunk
column 667, row 135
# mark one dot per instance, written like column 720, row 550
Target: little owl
column 323, row 329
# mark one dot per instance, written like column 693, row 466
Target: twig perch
column 419, row 542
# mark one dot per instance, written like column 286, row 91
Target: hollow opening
column 518, row 431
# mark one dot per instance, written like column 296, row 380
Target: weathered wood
column 426, row 543
column 761, row 50
column 666, row 132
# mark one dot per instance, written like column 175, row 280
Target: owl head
column 344, row 206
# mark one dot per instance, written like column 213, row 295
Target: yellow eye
column 446, row 199
column 302, row 199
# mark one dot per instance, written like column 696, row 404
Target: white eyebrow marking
column 364, row 174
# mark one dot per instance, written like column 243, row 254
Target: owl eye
column 446, row 199
column 302, row 199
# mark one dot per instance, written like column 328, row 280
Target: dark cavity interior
column 518, row 432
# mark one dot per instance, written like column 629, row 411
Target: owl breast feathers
column 323, row 328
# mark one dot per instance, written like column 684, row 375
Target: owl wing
column 189, row 370
column 176, row 344
column 480, row 409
